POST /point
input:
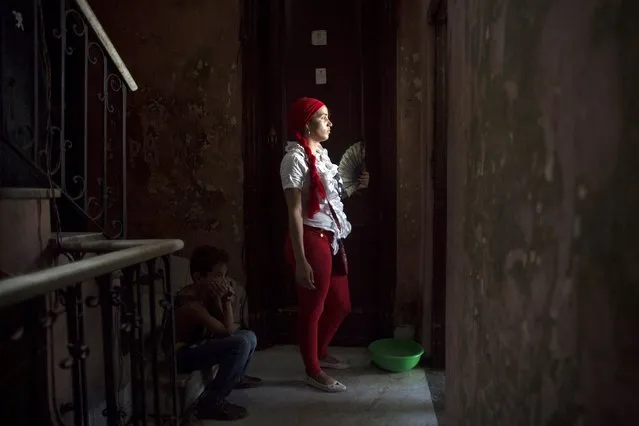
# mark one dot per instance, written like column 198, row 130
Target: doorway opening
column 293, row 49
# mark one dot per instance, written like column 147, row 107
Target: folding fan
column 352, row 165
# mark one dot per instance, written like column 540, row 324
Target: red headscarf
column 300, row 113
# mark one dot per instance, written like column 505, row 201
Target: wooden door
column 439, row 177
column 282, row 63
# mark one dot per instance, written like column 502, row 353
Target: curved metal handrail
column 106, row 42
column 121, row 254
column 104, row 246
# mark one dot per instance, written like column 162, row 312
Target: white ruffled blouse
column 294, row 174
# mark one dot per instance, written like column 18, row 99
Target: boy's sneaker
column 222, row 410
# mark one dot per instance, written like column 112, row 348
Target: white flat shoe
column 334, row 387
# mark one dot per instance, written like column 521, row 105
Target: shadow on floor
column 374, row 397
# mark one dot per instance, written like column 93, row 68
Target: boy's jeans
column 232, row 354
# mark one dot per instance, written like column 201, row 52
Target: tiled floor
column 374, row 397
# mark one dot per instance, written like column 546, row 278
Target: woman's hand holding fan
column 352, row 168
column 363, row 180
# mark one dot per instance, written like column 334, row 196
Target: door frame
column 262, row 62
column 438, row 20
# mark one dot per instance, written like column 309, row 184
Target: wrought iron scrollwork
column 78, row 181
column 57, row 141
column 23, row 136
column 45, row 321
column 116, row 298
column 78, row 108
column 92, row 302
column 113, row 83
column 79, row 26
column 78, row 351
column 96, row 48
column 118, row 227
column 58, row 160
column 49, row 319
column 128, row 322
column 93, row 201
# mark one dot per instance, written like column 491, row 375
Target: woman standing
column 317, row 224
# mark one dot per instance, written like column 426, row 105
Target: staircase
column 64, row 112
column 81, row 306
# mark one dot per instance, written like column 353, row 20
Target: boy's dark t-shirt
column 195, row 332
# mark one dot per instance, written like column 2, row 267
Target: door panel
column 289, row 73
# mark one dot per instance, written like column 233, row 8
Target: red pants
column 322, row 310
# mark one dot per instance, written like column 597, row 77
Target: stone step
column 25, row 228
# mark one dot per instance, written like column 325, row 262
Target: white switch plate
column 320, row 75
column 318, row 38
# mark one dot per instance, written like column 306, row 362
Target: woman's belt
column 322, row 233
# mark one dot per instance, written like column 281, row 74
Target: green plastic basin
column 396, row 355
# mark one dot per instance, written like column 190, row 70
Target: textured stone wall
column 185, row 169
column 543, row 318
column 185, row 152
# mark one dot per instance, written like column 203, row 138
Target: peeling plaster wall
column 414, row 141
column 185, row 169
column 185, row 153
column 543, row 287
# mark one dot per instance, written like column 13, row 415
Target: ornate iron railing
column 119, row 279
column 86, row 332
column 64, row 110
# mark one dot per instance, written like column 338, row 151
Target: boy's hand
column 228, row 297
column 220, row 287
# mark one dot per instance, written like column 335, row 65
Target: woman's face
column 320, row 125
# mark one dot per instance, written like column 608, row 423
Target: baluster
column 150, row 265
column 85, row 123
column 124, row 157
column 107, row 300
column 131, row 314
column 78, row 352
column 36, row 80
column 169, row 306
column 63, row 64
column 105, row 141
column 140, row 345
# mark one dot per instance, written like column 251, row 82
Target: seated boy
column 206, row 334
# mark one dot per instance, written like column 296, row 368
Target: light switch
column 318, row 38
column 320, row 75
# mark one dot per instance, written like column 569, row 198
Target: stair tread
column 77, row 236
column 15, row 193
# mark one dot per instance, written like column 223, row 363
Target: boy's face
column 219, row 272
